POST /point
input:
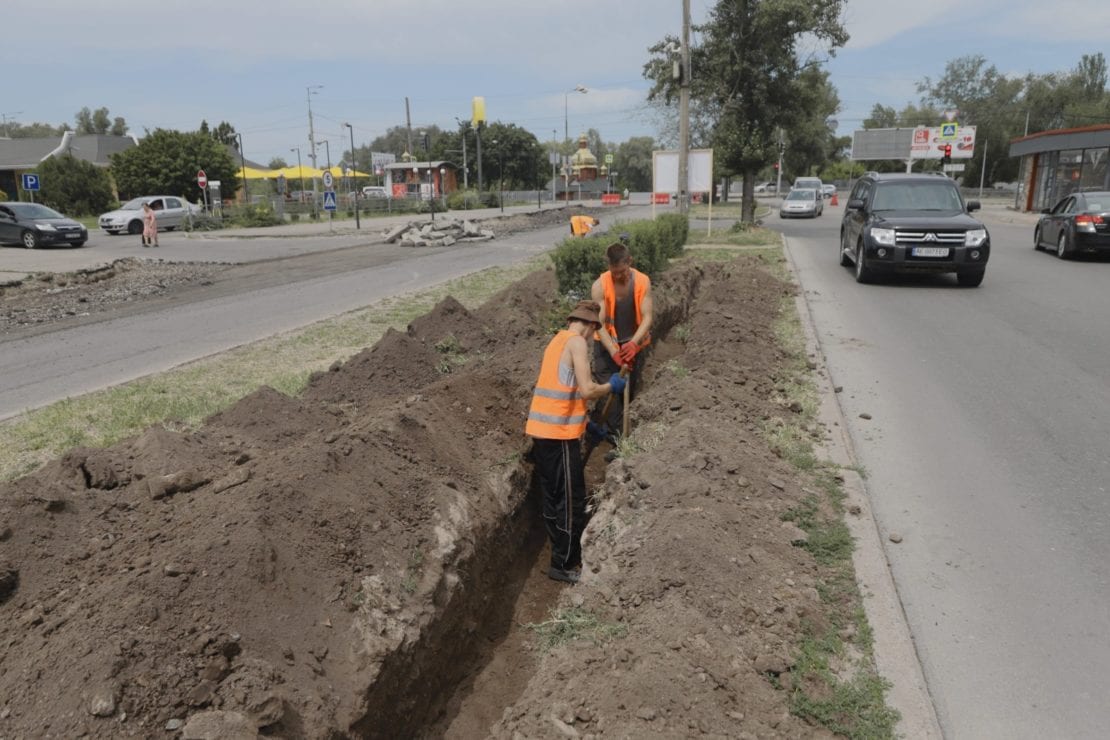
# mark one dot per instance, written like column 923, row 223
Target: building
column 1055, row 164
column 18, row 156
column 581, row 177
column 423, row 179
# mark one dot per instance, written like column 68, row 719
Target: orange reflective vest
column 558, row 411
column 640, row 285
column 581, row 225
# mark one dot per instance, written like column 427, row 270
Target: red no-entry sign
column 202, row 179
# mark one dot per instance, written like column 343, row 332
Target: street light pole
column 500, row 174
column 554, row 156
column 309, row 91
column 466, row 175
column 354, row 169
column 243, row 162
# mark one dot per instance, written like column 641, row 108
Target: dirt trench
column 357, row 561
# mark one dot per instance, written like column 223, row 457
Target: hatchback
column 802, row 202
column 34, row 225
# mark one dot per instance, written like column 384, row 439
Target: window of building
column 1069, row 168
column 1095, row 174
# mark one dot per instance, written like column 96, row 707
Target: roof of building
column 1085, row 137
column 23, row 154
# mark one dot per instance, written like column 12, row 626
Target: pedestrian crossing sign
column 329, row 200
column 948, row 131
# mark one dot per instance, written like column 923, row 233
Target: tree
column 167, row 162
column 749, row 76
column 632, row 162
column 278, row 163
column 119, row 127
column 811, row 139
column 98, row 122
column 32, row 130
column 524, row 158
column 75, row 187
column 223, row 133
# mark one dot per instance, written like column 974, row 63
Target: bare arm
column 586, row 385
column 598, row 294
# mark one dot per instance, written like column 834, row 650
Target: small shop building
column 1055, row 164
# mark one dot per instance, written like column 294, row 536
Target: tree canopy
column 75, row 187
column 166, row 162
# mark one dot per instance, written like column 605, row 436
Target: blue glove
column 595, row 432
column 617, row 384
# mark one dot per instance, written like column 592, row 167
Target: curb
column 895, row 652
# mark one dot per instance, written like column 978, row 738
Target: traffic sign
column 329, row 200
column 608, row 159
column 948, row 131
column 328, row 179
column 954, row 167
column 30, row 182
column 202, row 179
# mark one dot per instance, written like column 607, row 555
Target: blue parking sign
column 329, row 200
column 30, row 182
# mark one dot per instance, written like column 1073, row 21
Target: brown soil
column 360, row 561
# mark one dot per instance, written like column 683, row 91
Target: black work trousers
column 559, row 467
column 603, row 366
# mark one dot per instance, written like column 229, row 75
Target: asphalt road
column 322, row 276
column 987, row 452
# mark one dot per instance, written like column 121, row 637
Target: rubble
column 444, row 233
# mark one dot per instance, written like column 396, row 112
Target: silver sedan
column 802, row 202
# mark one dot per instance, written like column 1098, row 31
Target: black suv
column 912, row 223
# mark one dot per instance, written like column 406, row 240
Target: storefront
column 1055, row 164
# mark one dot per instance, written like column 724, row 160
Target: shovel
column 605, row 415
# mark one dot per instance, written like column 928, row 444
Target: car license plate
column 930, row 252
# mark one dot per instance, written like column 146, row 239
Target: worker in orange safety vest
column 581, row 225
column 624, row 294
column 557, row 419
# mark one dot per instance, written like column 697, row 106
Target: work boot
column 558, row 574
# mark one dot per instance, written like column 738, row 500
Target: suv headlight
column 883, row 236
column 975, row 237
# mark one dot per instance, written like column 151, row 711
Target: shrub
column 294, row 217
column 75, row 187
column 677, row 229
column 460, row 200
column 578, row 262
column 256, row 215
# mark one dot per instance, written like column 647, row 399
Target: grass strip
column 183, row 397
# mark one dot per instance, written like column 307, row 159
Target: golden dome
column 583, row 157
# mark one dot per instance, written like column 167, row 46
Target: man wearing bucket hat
column 556, row 420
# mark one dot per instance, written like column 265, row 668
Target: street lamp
column 300, row 170
column 500, row 174
column 442, row 189
column 243, row 162
column 354, row 169
column 578, row 89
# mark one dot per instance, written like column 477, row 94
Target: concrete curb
column 895, row 653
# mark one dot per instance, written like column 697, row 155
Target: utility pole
column 5, row 118
column 983, row 172
column 408, row 126
column 684, row 115
column 308, row 91
column 782, row 149
column 354, row 169
column 554, row 157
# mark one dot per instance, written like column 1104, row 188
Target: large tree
column 166, row 162
column 99, row 121
column 75, row 187
column 748, row 76
column 632, row 163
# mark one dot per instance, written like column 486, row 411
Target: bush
column 578, row 261
column 294, row 217
column 75, row 187
column 461, row 200
column 256, row 215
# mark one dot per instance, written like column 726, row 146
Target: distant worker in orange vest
column 626, row 314
column 556, row 420
column 582, row 225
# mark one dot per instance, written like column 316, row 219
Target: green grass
column 753, row 236
column 575, row 623
column 183, row 397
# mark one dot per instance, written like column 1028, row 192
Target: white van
column 808, row 183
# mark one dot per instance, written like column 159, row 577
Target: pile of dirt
column 46, row 297
column 349, row 562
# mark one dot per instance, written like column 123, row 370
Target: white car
column 169, row 210
column 766, row 187
column 802, row 202
column 828, row 190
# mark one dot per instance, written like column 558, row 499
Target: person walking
column 150, row 226
column 624, row 294
column 556, row 420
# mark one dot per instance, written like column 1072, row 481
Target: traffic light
column 424, row 142
column 776, row 165
column 947, row 158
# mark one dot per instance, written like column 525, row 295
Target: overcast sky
column 248, row 62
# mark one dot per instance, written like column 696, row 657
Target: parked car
column 912, row 223
column 766, row 187
column 828, row 190
column 170, row 211
column 375, row 191
column 802, row 202
column 1078, row 223
column 34, row 225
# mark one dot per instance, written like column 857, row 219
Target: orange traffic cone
column 833, row 201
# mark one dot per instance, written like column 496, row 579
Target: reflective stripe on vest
column 640, row 285
column 558, row 410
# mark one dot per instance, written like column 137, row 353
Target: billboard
column 881, row 143
column 928, row 143
column 665, row 171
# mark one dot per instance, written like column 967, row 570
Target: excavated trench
column 475, row 657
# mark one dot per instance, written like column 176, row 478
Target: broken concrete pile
column 442, row 234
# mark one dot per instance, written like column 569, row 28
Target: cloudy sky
column 249, row 62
